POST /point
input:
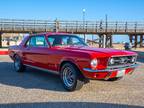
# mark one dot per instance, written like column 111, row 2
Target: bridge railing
column 26, row 25
column 14, row 25
column 98, row 26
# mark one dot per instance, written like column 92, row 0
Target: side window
column 40, row 41
column 65, row 40
column 32, row 41
column 55, row 40
column 75, row 41
column 51, row 40
column 37, row 41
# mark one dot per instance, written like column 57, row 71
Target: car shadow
column 67, row 105
column 30, row 78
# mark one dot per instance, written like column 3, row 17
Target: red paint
column 113, row 74
column 52, row 57
column 3, row 52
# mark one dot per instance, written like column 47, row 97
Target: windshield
column 65, row 40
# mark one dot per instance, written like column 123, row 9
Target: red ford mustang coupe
column 68, row 56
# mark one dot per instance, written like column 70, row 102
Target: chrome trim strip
column 111, row 69
column 46, row 70
column 121, row 66
column 124, row 55
column 121, row 56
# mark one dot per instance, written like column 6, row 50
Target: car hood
column 104, row 51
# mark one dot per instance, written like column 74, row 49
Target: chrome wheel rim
column 17, row 64
column 68, row 77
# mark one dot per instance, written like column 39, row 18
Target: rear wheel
column 115, row 79
column 70, row 77
column 18, row 65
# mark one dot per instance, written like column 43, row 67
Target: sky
column 116, row 10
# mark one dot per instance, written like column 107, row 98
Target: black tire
column 115, row 79
column 18, row 65
column 70, row 77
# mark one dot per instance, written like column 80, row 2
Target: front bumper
column 109, row 72
column 110, row 69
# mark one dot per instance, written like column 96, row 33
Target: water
column 116, row 38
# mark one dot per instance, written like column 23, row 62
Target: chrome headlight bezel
column 94, row 63
column 111, row 61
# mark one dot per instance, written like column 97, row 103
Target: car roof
column 50, row 33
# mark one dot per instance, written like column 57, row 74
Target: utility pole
column 105, row 35
column 84, row 23
column 106, row 22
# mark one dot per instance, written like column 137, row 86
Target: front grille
column 122, row 60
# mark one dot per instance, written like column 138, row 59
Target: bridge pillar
column 136, row 41
column 141, row 41
column 105, row 41
column 0, row 40
column 111, row 41
column 108, row 41
column 131, row 38
column 101, row 38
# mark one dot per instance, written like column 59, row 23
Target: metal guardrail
column 88, row 27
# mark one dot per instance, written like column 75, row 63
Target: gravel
column 35, row 88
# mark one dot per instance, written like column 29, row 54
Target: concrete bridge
column 104, row 29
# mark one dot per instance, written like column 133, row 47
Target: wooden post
column 116, row 27
column 101, row 40
column 111, row 41
column 96, row 27
column 130, row 38
column 126, row 27
column 77, row 26
column 104, row 41
column 108, row 41
column 0, row 40
column 141, row 41
column 136, row 41
column 56, row 28
column 135, row 27
column 66, row 29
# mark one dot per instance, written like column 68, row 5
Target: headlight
column 111, row 62
column 94, row 63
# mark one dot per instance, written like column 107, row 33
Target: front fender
column 68, row 59
column 78, row 62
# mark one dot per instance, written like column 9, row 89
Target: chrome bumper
column 112, row 68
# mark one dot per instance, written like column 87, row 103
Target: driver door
column 36, row 52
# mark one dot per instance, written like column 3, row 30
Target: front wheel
column 18, row 65
column 70, row 77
